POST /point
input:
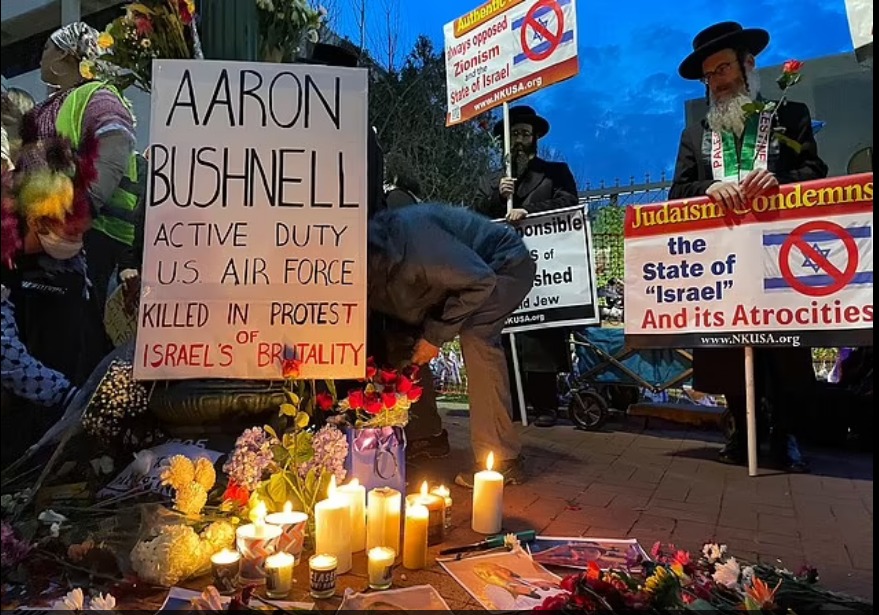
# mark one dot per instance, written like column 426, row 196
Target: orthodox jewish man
column 537, row 185
column 753, row 162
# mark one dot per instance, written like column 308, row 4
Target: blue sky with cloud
column 622, row 115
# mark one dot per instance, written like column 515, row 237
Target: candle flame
column 354, row 482
column 331, row 489
column 288, row 507
column 424, row 488
column 259, row 513
column 489, row 461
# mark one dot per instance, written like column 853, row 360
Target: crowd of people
column 73, row 213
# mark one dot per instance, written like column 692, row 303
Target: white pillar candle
column 332, row 527
column 488, row 499
column 279, row 575
column 357, row 494
column 436, row 506
column 380, row 567
column 415, row 537
column 383, row 518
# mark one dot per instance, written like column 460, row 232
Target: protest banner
column 860, row 23
column 564, row 292
column 794, row 268
column 506, row 49
column 255, row 237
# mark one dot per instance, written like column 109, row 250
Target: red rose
column 414, row 394
column 389, row 400
column 411, row 371
column 403, row 384
column 324, row 401
column 185, row 10
column 569, row 583
column 237, row 494
column 593, row 572
column 370, row 368
column 290, row 368
column 387, row 376
column 143, row 25
column 356, row 399
column 374, row 403
column 553, row 603
column 792, row 66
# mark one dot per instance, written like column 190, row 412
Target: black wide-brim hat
column 523, row 114
column 724, row 35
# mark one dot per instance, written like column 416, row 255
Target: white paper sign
column 860, row 21
column 255, row 237
column 564, row 292
column 503, row 50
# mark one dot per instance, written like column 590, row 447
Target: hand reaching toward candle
column 424, row 352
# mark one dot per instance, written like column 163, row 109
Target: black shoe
column 513, row 471
column 546, row 419
column 798, row 467
column 731, row 456
column 433, row 447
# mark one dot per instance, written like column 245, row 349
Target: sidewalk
column 666, row 485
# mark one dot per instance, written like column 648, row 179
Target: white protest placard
column 506, row 49
column 564, row 292
column 860, row 21
column 793, row 268
column 255, row 237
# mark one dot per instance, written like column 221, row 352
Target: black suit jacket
column 544, row 186
column 721, row 370
column 693, row 168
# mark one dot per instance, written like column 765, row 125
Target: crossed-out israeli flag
column 817, row 259
column 537, row 43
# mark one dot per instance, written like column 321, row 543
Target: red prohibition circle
column 839, row 278
column 554, row 38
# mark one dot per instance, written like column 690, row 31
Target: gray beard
column 728, row 115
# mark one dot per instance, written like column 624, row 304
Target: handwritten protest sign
column 506, row 49
column 564, row 292
column 255, row 237
column 790, row 269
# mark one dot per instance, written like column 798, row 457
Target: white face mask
column 58, row 247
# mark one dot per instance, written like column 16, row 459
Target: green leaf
column 700, row 605
column 331, row 387
column 271, row 431
column 302, row 420
column 277, row 489
column 293, row 397
column 791, row 143
column 280, row 454
column 289, row 410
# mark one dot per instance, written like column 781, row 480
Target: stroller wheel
column 588, row 409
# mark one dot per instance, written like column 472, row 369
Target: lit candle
column 279, row 575
column 332, row 526
column 322, row 575
column 436, row 506
column 444, row 493
column 226, row 566
column 381, row 567
column 488, row 499
column 255, row 541
column 415, row 537
column 383, row 518
column 292, row 524
column 357, row 494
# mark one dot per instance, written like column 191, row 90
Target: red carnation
column 324, row 401
column 356, row 399
column 237, row 494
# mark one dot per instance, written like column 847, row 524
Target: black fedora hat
column 720, row 36
column 523, row 114
column 333, row 55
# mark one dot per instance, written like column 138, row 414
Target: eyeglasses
column 720, row 71
column 521, row 134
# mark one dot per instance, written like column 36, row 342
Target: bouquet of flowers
column 385, row 398
column 149, row 29
column 284, row 25
column 712, row 582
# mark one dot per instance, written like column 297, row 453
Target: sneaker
column 432, row 447
column 513, row 471
column 546, row 419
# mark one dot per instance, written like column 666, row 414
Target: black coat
column 722, row 370
column 434, row 265
column 545, row 186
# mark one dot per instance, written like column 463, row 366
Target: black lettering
column 222, row 83
column 250, row 92
column 287, row 96
column 186, row 82
column 333, row 112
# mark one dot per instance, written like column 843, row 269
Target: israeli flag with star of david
column 818, row 258
column 547, row 20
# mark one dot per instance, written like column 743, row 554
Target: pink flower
column 792, row 66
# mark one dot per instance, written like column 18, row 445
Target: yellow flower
column 87, row 69
column 179, row 473
column 190, row 4
column 656, row 582
column 191, row 498
column 105, row 40
column 205, row 475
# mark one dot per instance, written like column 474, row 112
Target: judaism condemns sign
column 255, row 237
column 564, row 292
column 506, row 49
column 791, row 269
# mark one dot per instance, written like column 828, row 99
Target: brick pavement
column 665, row 485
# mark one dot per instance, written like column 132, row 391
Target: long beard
column 520, row 157
column 728, row 115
